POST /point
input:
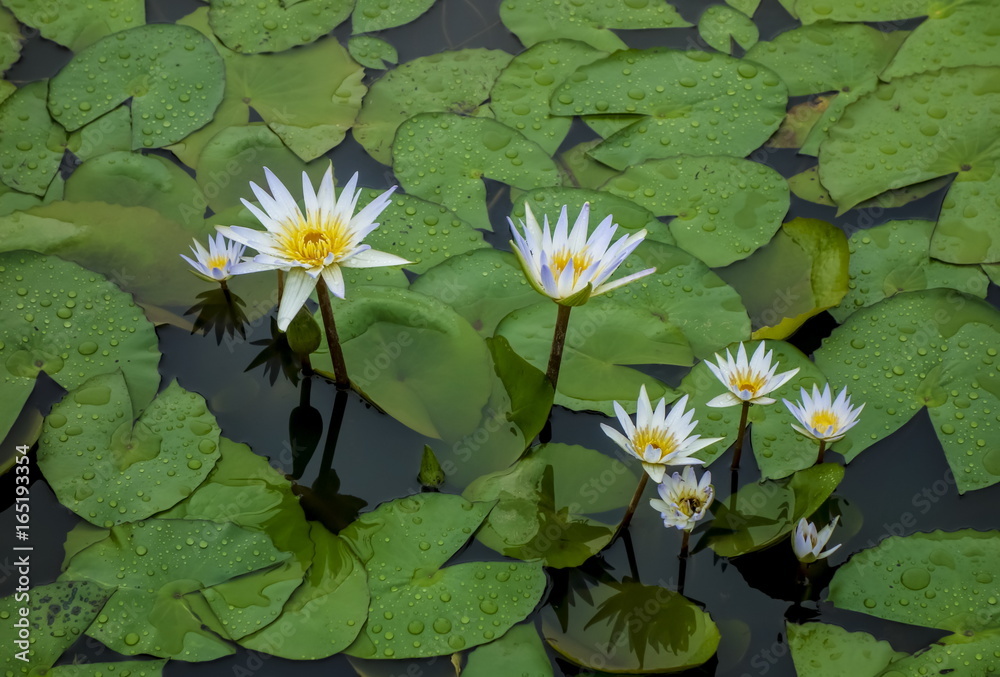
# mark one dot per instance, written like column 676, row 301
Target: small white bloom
column 567, row 266
column 807, row 544
column 658, row 439
column 685, row 500
column 315, row 244
column 822, row 418
column 747, row 381
column 219, row 262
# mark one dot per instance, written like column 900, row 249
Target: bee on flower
column 684, row 499
column 823, row 418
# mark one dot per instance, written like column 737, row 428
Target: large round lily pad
column 252, row 26
column 692, row 103
column 75, row 24
column 826, row 650
column 30, row 158
column 420, row 609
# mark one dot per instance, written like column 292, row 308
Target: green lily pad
column 798, row 124
column 826, row 650
column 70, row 323
column 461, row 151
column 747, row 7
column 14, row 201
column 10, row 40
column 135, row 180
column 767, row 512
column 252, row 26
column 806, row 185
column 534, row 21
column 521, row 651
column 583, row 171
column 403, row 545
column 692, row 103
column 725, row 208
column 455, row 82
column 162, row 457
column 722, row 26
column 892, row 258
column 629, row 216
column 414, row 357
column 58, row 614
column 172, row 74
column 543, row 503
column 970, row 654
column 800, row 273
column 896, row 136
column 933, row 348
column 124, row 668
column 841, row 58
column 374, row 15
column 600, row 631
column 107, row 134
column 324, row 615
column 893, row 579
column 603, row 338
column 681, row 291
column 993, row 272
column 520, row 96
column 371, row 52
column 29, row 159
column 76, row 25
column 155, row 565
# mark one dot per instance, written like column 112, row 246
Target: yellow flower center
column 310, row 243
column 220, row 261
column 824, row 419
column 581, row 261
column 747, row 380
column 690, row 505
column 660, row 440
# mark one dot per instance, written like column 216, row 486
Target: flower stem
column 822, row 450
column 336, row 354
column 740, row 433
column 683, row 557
column 632, row 505
column 558, row 341
column 281, row 284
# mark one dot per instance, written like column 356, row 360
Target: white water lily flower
column 314, row 245
column 658, row 439
column 219, row 262
column 685, row 500
column 822, row 418
column 568, row 267
column 807, row 543
column 747, row 381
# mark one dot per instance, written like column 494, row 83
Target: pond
column 190, row 492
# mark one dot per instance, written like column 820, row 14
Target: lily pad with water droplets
column 371, row 52
column 377, row 15
column 123, row 668
column 443, row 157
column 10, row 40
column 892, row 258
column 521, row 652
column 76, row 25
column 90, row 327
column 252, row 26
column 806, row 185
column 57, row 615
column 456, row 82
column 722, row 26
column 583, row 171
column 155, row 565
column 748, row 7
column 691, row 103
column 827, row 650
column 420, row 609
column 725, row 207
column 172, row 74
column 29, row 159
column 970, row 654
column 935, row 348
column 534, row 21
column 109, row 133
column 110, row 468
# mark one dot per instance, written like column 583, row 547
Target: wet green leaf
column 683, row 104
column 603, row 338
column 533, row 21
column 528, row 389
column 374, row 15
column 826, row 650
column 892, row 258
column 841, row 58
column 939, row 580
column 543, row 503
column 252, row 26
column 90, row 328
column 371, row 52
column 107, row 134
column 725, row 207
column 123, row 668
column 962, row 33
column 172, row 74
column 721, row 26
column 521, row 652
column 582, row 170
column 10, row 40
column 520, row 96
column 767, row 512
column 58, row 614
column 432, row 610
column 748, row 7
column 796, row 127
column 970, row 654
column 462, row 151
column 806, row 185
column 93, row 442
column 29, row 159
column 456, row 82
column 77, row 25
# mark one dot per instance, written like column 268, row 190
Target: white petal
column 724, row 400
column 298, row 286
column 334, row 279
column 655, row 471
column 373, row 259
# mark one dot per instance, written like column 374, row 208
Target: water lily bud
column 431, row 475
column 303, row 333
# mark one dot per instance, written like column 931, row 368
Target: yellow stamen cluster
column 581, row 261
column 824, row 419
column 745, row 380
column 664, row 443
column 311, row 243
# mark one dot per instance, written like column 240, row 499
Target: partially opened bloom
column 313, row 245
column 656, row 438
column 566, row 265
column 807, row 543
column 219, row 262
column 821, row 417
column 747, row 381
column 683, row 499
